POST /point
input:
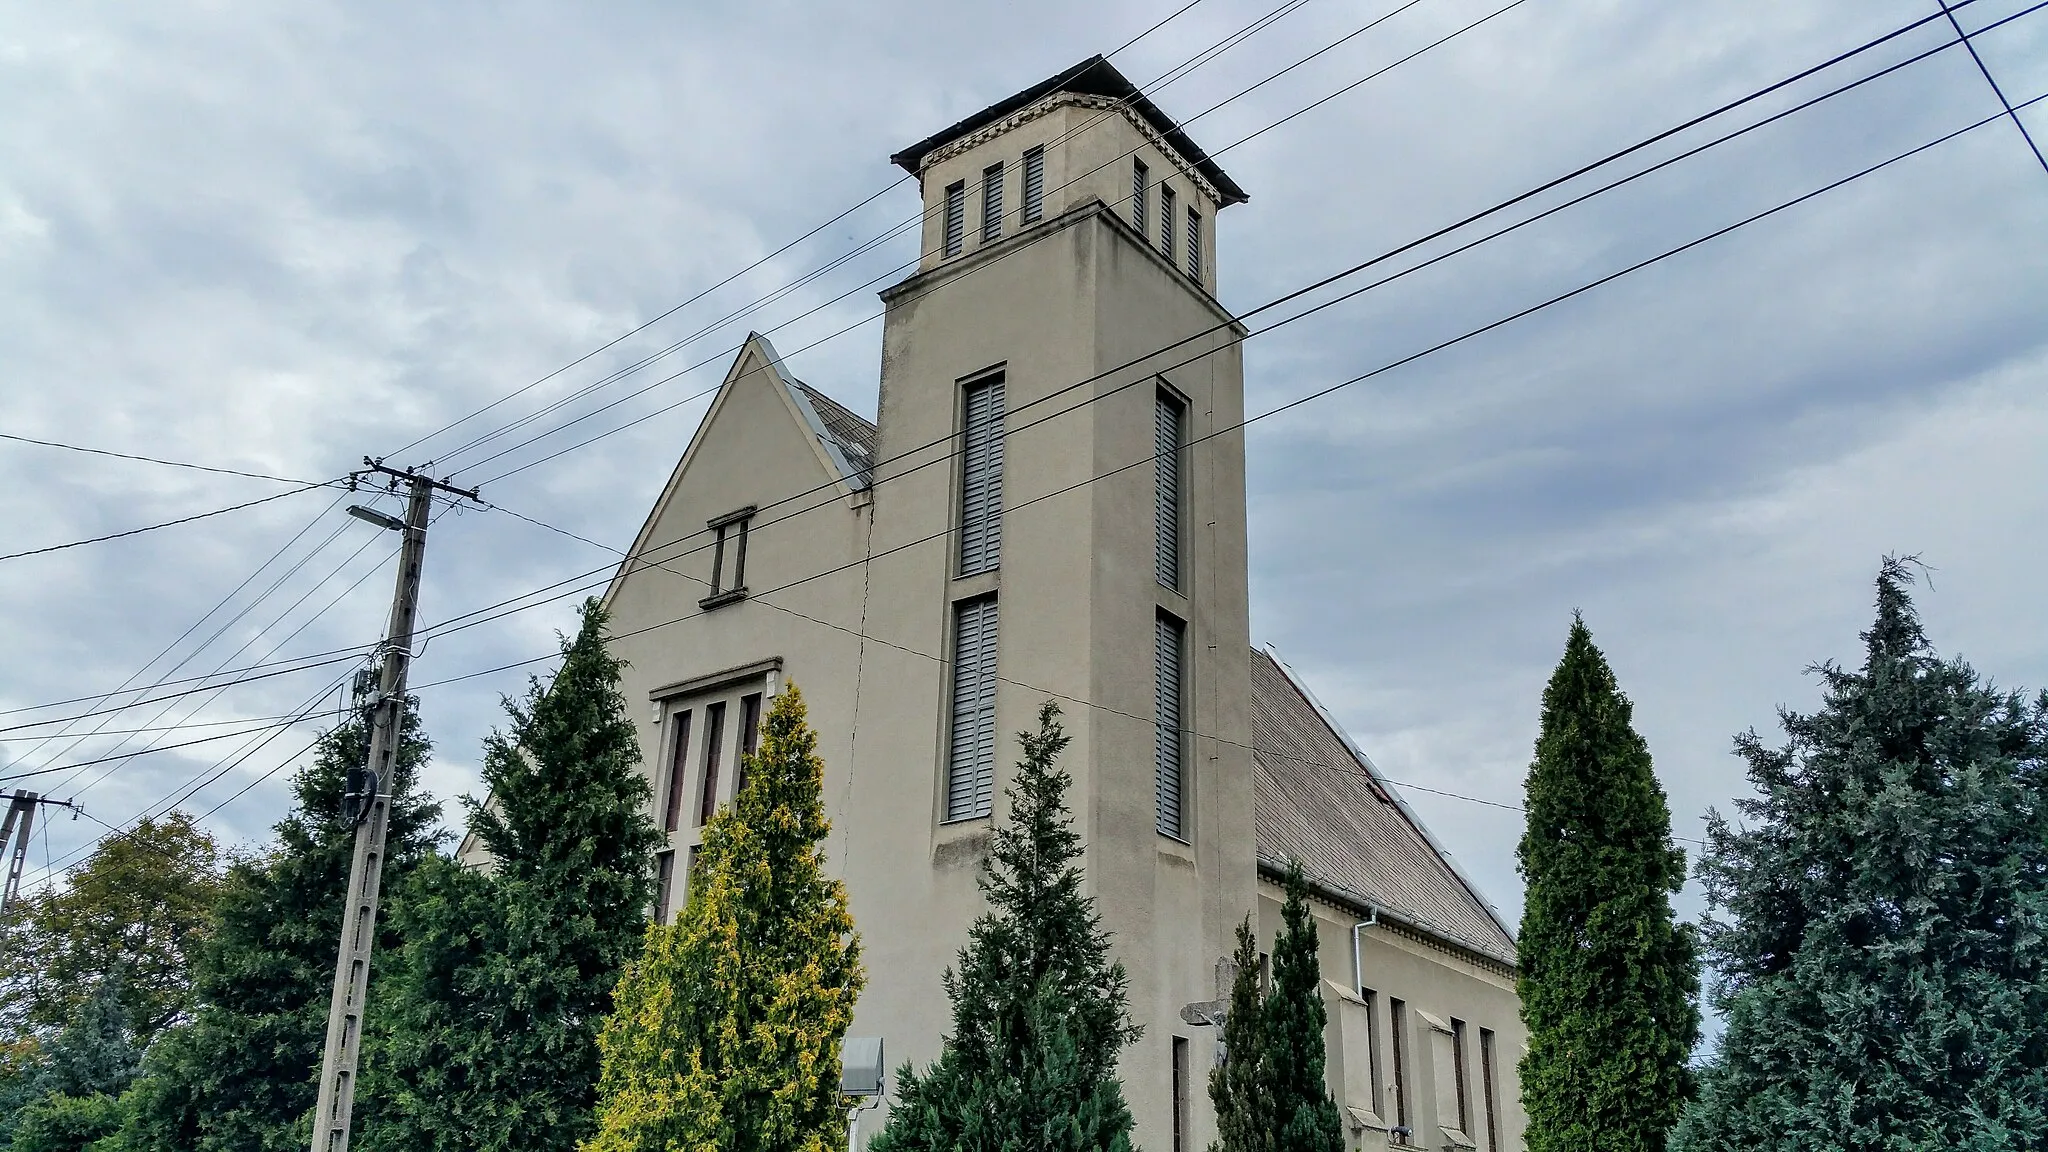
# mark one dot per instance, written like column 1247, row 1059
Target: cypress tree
column 1880, row 928
column 1039, row 1010
column 725, row 1032
column 1270, row 1093
column 68, row 1098
column 241, row 1076
column 1609, row 982
column 486, row 1037
column 1237, row 1087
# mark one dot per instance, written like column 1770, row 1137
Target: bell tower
column 1059, row 510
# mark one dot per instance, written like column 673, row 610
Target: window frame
column 1139, row 176
column 1180, row 1072
column 1033, row 192
column 984, row 614
column 1170, row 740
column 730, row 529
column 1169, row 518
column 714, row 748
column 1486, row 1058
column 664, row 881
column 980, row 510
column 1464, row 1095
column 992, row 203
column 1168, row 219
column 1194, row 264
column 953, row 220
column 678, row 770
column 1397, row 1024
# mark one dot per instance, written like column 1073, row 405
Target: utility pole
column 368, row 802
column 21, row 821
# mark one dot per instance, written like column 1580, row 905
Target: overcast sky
column 277, row 238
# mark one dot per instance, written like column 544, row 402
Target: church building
column 1050, row 505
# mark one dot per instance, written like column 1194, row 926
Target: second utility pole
column 372, row 810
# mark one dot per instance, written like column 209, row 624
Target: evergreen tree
column 1238, row 1087
column 242, row 1075
column 1883, row 963
column 66, row 1097
column 725, row 1032
column 1039, row 1011
column 1270, row 1093
column 486, row 1037
column 1609, row 982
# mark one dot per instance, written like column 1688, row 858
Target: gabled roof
column 1320, row 800
column 1095, row 76
column 846, row 430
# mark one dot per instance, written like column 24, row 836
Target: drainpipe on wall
column 1357, row 951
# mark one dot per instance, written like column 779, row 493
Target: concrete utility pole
column 21, row 821
column 368, row 801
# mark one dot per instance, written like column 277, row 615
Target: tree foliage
column 1270, row 1092
column 242, row 1075
column 138, row 908
column 485, row 1038
column 64, row 1094
column 1039, row 1010
column 1609, row 982
column 1880, row 937
column 726, row 1030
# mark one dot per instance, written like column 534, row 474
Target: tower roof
column 1095, row 76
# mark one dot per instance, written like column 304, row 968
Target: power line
column 471, row 618
column 1151, row 88
column 126, row 756
column 786, row 246
column 155, row 460
column 306, row 487
column 1388, row 367
column 1949, row 12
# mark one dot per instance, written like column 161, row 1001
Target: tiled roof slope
column 1319, row 802
column 853, row 434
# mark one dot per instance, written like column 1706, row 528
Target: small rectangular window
column 1372, row 1042
column 728, row 557
column 1167, row 219
column 1181, row 1135
column 679, row 756
column 1397, row 1016
column 1034, row 185
column 714, row 746
column 971, row 763
column 1458, row 1073
column 664, row 876
column 1487, row 1090
column 750, row 737
column 1169, row 420
column 1195, row 245
column 1138, row 188
column 981, row 477
column 1170, row 745
column 991, row 203
column 956, row 217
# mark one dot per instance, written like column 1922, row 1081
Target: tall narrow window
column 664, row 877
column 728, row 558
column 1167, row 777
column 1034, row 185
column 1195, row 245
column 981, row 478
column 1397, row 1016
column 679, row 756
column 714, row 746
column 1372, row 1042
column 750, row 737
column 1458, row 1072
column 956, row 217
column 1168, row 419
column 1168, row 219
column 991, row 203
column 1487, row 1090
column 971, row 766
column 1138, row 189
column 1181, row 1142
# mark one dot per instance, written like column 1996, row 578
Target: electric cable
column 122, row 535
column 155, row 460
column 458, row 622
column 784, row 247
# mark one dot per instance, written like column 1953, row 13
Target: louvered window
column 1034, row 185
column 672, row 818
column 971, row 763
column 1167, row 489
column 1195, row 245
column 981, row 478
column 1138, row 217
column 991, row 203
column 956, row 217
column 1168, row 779
column 1167, row 219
